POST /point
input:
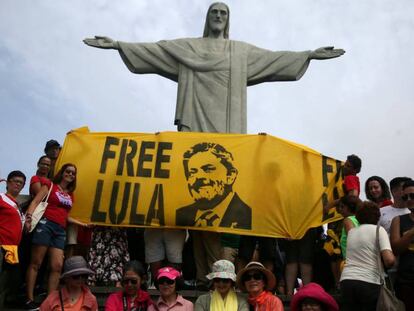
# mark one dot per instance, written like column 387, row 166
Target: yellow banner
column 245, row 184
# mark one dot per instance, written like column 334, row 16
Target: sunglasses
column 257, row 276
column 70, row 172
column 408, row 196
column 127, row 281
column 218, row 280
column 166, row 281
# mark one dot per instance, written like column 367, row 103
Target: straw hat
column 256, row 266
column 222, row 269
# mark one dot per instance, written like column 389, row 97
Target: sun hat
column 222, row 269
column 316, row 292
column 252, row 266
column 75, row 265
column 169, row 273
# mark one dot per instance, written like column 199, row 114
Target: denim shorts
column 49, row 233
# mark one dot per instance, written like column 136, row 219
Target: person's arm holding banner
column 79, row 223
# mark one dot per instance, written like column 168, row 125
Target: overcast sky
column 362, row 103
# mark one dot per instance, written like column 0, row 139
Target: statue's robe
column 212, row 76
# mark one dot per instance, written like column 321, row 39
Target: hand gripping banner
column 244, row 184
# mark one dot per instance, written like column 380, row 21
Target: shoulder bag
column 387, row 301
column 40, row 209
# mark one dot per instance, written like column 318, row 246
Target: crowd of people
column 62, row 257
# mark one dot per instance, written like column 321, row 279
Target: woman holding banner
column 49, row 235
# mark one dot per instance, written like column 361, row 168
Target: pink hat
column 169, row 273
column 313, row 291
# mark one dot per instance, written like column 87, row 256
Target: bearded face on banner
column 210, row 173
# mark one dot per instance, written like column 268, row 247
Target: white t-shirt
column 361, row 253
column 388, row 213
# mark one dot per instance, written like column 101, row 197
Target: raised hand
column 101, row 42
column 326, row 52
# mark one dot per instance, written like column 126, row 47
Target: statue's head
column 217, row 20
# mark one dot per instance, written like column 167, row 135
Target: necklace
column 74, row 294
column 74, row 298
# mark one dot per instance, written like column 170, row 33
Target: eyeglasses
column 166, row 281
column 70, row 172
column 17, row 181
column 127, row 281
column 44, row 164
column 257, row 276
column 218, row 280
column 408, row 196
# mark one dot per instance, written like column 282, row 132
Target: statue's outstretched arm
column 326, row 52
column 102, row 42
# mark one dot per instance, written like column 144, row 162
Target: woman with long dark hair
column 49, row 235
column 377, row 190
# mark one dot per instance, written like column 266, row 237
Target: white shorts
column 163, row 244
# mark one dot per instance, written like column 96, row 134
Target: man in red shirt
column 351, row 188
column 351, row 185
column 11, row 227
column 350, row 170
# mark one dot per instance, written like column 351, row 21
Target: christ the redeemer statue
column 213, row 72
